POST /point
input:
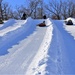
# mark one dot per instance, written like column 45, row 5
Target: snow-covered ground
column 27, row 49
column 61, row 60
column 11, row 25
column 71, row 28
column 21, row 44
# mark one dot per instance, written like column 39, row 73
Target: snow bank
column 48, row 22
column 19, row 34
column 38, row 65
column 70, row 29
column 29, row 18
column 21, row 46
column 11, row 25
column 8, row 23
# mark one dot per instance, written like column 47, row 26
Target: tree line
column 37, row 8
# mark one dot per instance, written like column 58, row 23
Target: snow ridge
column 70, row 29
column 54, row 63
column 17, row 25
column 38, row 64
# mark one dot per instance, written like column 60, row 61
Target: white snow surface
column 27, row 49
column 24, row 56
column 71, row 28
column 39, row 66
column 15, row 26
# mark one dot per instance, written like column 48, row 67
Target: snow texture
column 27, row 49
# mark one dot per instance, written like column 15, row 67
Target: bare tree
column 4, row 9
column 40, row 9
column 68, row 9
column 55, row 8
column 18, row 13
column 7, row 11
column 33, row 7
column 1, row 16
column 64, row 10
column 1, row 9
column 71, row 8
column 36, row 8
column 10, row 13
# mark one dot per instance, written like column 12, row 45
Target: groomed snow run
column 38, row 65
column 7, row 28
column 24, row 50
column 71, row 28
column 27, row 49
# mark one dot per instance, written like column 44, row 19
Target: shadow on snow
column 14, row 37
column 61, row 53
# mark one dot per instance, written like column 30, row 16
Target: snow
column 28, row 49
column 22, row 45
column 61, row 53
column 1, row 25
column 70, row 29
column 38, row 67
column 8, row 23
column 7, row 29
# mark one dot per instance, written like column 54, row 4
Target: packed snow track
column 20, row 42
column 28, row 49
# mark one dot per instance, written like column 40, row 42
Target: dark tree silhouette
column 1, row 12
column 24, row 16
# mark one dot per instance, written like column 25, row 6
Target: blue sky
column 15, row 3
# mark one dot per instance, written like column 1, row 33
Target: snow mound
column 48, row 22
column 73, row 19
column 71, row 30
column 29, row 19
column 38, row 65
column 9, row 22
column 11, row 25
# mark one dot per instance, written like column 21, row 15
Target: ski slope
column 27, row 49
column 61, row 60
column 21, row 43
